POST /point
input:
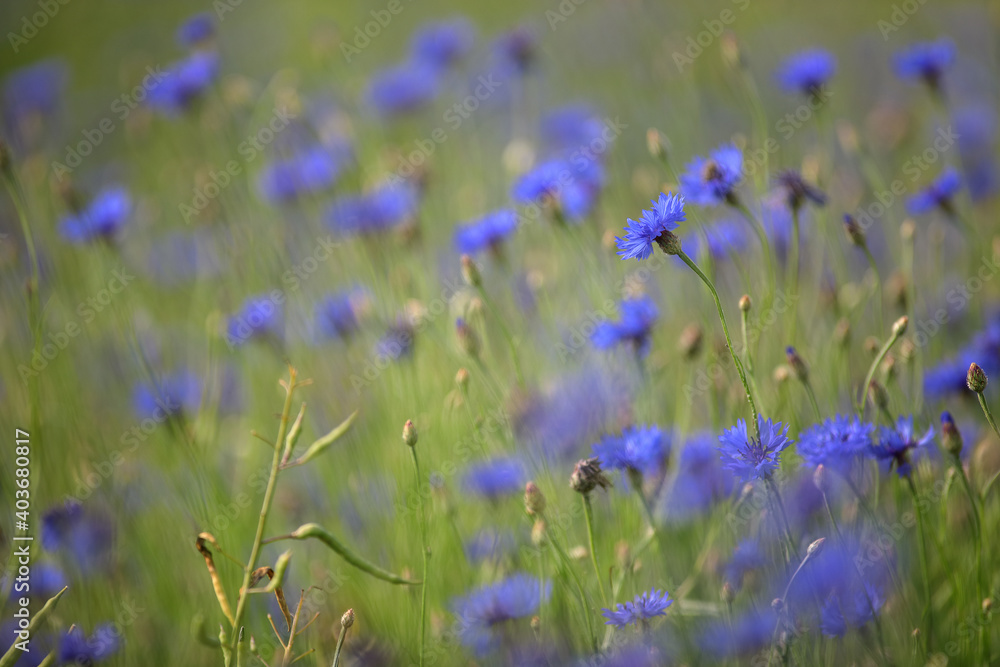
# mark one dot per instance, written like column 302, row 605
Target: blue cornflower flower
column 976, row 127
column 747, row 556
column 517, row 596
column 638, row 316
column 776, row 218
column 101, row 219
column 178, row 392
column 47, row 580
column 797, row 191
column 77, row 649
column 721, row 238
column 648, row 605
column 651, row 227
column 936, row 195
column 389, row 206
column 744, row 634
column 34, row 89
column 516, row 49
column 926, row 61
column 397, row 342
column 308, row 171
column 441, row 44
column 749, row 458
column 489, row 231
column 639, row 448
column 570, row 188
column 571, row 127
column 713, row 181
column 403, row 88
column 86, row 537
column 489, row 544
column 196, row 30
column 183, row 82
column 835, row 442
column 258, row 316
column 849, row 609
column 807, row 72
column 494, row 478
column 337, row 315
column 894, row 445
column 700, row 482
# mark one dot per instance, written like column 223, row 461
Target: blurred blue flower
column 949, row 376
column 926, row 61
column 747, row 556
column 644, row 607
column 494, row 478
column 479, row 611
column 184, row 82
column 489, row 544
column 722, row 238
column 397, row 342
column 712, row 181
column 835, row 443
column 570, row 128
column 77, row 649
column 701, row 479
column 638, row 316
column 441, row 44
column 638, row 448
column 748, row 457
column 936, row 195
column 641, row 234
column 196, row 30
column 34, row 89
column 516, row 49
column 894, row 445
column 47, row 579
column 102, row 219
column 307, row 172
column 488, row 232
column 338, row 314
column 776, row 218
column 797, row 191
column 747, row 633
column 391, row 205
column 403, row 88
column 976, row 128
column 259, row 316
column 83, row 537
column 570, row 188
column 807, row 72
column 178, row 392
column 851, row 608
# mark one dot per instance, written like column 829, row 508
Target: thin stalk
column 772, row 488
column 423, row 548
column 588, row 511
column 878, row 287
column 792, row 275
column 928, row 614
column 989, row 415
column 265, row 509
column 758, row 229
column 340, row 646
column 506, row 334
column 568, row 564
column 984, row 636
column 897, row 332
column 744, row 317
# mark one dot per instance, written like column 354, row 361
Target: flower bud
column 745, row 303
column 899, row 326
column 908, row 350
column 669, row 243
column 878, row 395
column 347, row 620
column 871, row 345
column 951, row 438
column 731, row 52
column 467, row 339
column 689, row 343
column 842, row 332
column 587, row 475
column 821, row 478
column 797, row 364
column 907, row 230
column 815, row 547
column 409, row 433
column 658, row 145
column 855, row 234
column 470, row 272
column 727, row 594
column 534, row 501
column 976, row 379
column 781, row 374
column 462, row 379
column 987, row 605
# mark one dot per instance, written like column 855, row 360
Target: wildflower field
column 530, row 333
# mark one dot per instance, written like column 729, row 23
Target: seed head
column 976, row 379
column 587, row 475
column 409, row 433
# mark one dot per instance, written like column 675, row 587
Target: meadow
column 412, row 332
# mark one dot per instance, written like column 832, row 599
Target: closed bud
column 908, row 350
column 462, row 379
column 467, row 338
column 855, row 234
column 878, row 395
column 536, row 623
column 797, row 364
column 587, row 475
column 347, row 620
column 727, row 594
column 623, row 553
column 815, row 547
column 987, row 605
column 658, row 145
column 534, row 500
column 781, row 374
column 745, row 303
column 897, row 289
column 409, row 433
column 871, row 345
column 821, row 478
column 731, row 52
column 689, row 343
column 899, row 326
column 470, row 272
column 907, row 230
column 951, row 438
column 888, row 367
column 976, row 379
column 842, row 332
column 669, row 243
column 777, row 604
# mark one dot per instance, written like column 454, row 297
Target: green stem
column 772, row 488
column 588, row 511
column 265, row 509
column 878, row 287
column 340, row 646
column 744, row 317
column 871, row 370
column 812, row 399
column 568, row 564
column 989, row 415
column 423, row 548
column 758, row 229
column 921, row 530
column 506, row 334
column 729, row 341
column 978, row 524
column 792, row 275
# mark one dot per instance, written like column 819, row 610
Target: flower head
column 807, row 72
column 338, row 315
column 184, row 82
column 894, row 445
column 198, row 29
column 712, row 181
column 648, row 605
column 701, row 479
column 797, row 191
column 259, row 316
column 638, row 448
column 85, row 537
column 835, row 442
column 77, row 649
column 721, row 239
column 747, row 556
column 517, row 596
column 403, row 88
column 936, row 195
column 516, row 49
column 308, row 171
column 177, row 392
column 397, row 342
column 441, row 44
column 33, row 90
column 488, row 231
column 650, row 228
column 569, row 188
column 101, row 219
column 638, row 316
column 850, row 608
column 748, row 457
column 391, row 205
column 926, row 61
column 495, row 478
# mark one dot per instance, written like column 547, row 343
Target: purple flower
column 936, row 195
column 571, row 127
column 747, row 556
column 644, row 607
column 102, row 219
column 641, row 234
column 638, row 316
column 184, row 82
column 258, row 316
column 489, row 231
column 77, row 649
column 397, row 342
column 35, row 89
column 723, row 238
column 894, row 445
column 495, row 478
column 337, row 315
column 391, row 205
column 489, row 544
column 926, row 61
column 403, row 88
column 713, row 181
column 797, row 191
column 86, row 538
column 479, row 611
column 807, row 72
column 516, row 49
column 638, row 448
column 570, row 188
column 835, row 442
column 851, row 608
column 700, row 482
column 307, row 172
column 196, row 30
column 748, row 457
column 441, row 44
column 179, row 392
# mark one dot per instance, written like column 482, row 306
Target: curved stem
column 588, row 511
column 878, row 287
column 921, row 530
column 423, row 548
column 871, row 371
